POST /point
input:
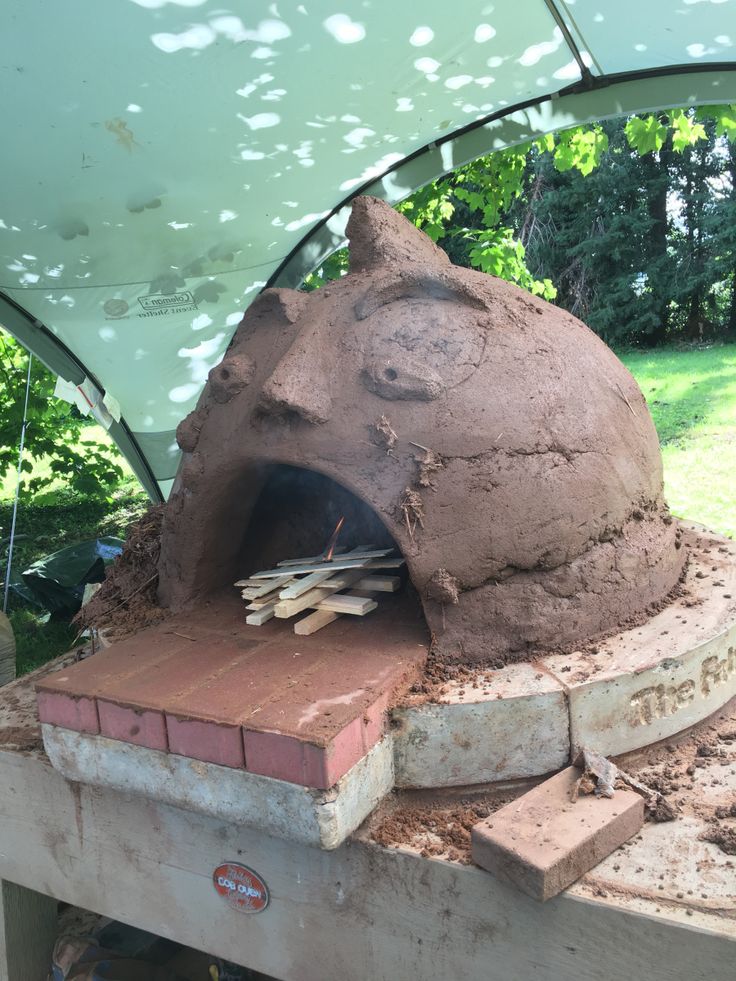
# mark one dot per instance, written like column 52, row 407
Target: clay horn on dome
column 404, row 261
column 379, row 237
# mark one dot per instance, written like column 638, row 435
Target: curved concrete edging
column 643, row 685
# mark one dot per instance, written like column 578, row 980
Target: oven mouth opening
column 303, row 514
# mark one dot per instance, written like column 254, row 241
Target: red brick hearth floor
column 208, row 686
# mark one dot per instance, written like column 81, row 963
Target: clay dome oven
column 492, row 436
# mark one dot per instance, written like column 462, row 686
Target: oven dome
column 505, row 448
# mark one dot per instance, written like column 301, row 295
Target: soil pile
column 126, row 600
column 689, row 771
column 434, row 829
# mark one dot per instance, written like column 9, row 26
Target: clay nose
column 297, row 385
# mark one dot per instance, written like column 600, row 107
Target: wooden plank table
column 360, row 912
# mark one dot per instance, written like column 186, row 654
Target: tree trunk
column 657, row 173
column 731, row 326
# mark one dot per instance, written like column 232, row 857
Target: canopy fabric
column 164, row 160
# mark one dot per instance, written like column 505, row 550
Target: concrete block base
column 321, row 818
column 516, row 726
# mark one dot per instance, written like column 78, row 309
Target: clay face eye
column 416, row 349
column 232, row 375
column 401, row 377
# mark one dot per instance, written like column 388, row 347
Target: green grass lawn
column 692, row 398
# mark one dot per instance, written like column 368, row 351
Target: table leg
column 27, row 933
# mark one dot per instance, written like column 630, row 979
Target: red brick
column 139, row 726
column 68, row 712
column 318, row 702
column 206, row 741
column 343, row 685
column 374, row 721
column 543, row 842
column 250, row 683
column 118, row 662
column 161, row 683
column 274, row 754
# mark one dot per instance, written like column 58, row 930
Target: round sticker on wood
column 241, row 887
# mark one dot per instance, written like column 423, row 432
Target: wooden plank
column 314, row 622
column 28, row 926
column 96, row 848
column 379, row 584
column 263, row 589
column 341, row 553
column 338, row 553
column 388, row 563
column 301, row 586
column 260, row 603
column 322, row 618
column 336, row 565
column 259, row 617
column 289, row 608
column 354, row 605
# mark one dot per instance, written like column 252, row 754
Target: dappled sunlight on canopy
column 211, row 149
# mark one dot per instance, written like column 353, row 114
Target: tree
column 590, row 235
column 586, row 217
column 55, row 430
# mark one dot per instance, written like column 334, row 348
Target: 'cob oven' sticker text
column 240, row 887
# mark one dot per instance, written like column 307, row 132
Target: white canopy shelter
column 164, row 160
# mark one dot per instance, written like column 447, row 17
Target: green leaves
column 606, row 243
column 581, row 149
column 53, row 445
column 430, row 208
column 334, row 266
column 498, row 253
column 648, row 134
column 686, row 130
column 723, row 116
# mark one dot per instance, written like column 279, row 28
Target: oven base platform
column 665, row 900
column 209, row 687
column 320, row 818
column 241, row 723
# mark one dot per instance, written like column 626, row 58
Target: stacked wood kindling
column 344, row 585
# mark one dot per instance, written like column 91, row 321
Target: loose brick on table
column 543, row 842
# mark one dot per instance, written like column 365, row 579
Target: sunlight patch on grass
column 692, row 398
